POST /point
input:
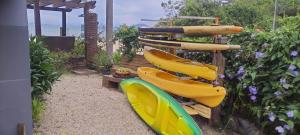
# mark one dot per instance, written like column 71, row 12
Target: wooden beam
column 37, row 18
column 51, row 8
column 45, row 2
column 72, row 3
column 30, row 1
column 89, row 5
column 58, row 3
column 64, row 24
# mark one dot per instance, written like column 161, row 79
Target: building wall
column 15, row 97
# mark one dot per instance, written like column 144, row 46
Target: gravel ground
column 79, row 105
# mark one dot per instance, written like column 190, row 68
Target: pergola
column 62, row 6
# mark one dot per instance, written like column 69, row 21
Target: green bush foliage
column 117, row 57
column 79, row 48
column 37, row 109
column 43, row 72
column 263, row 78
column 246, row 13
column 128, row 36
column 60, row 59
column 103, row 60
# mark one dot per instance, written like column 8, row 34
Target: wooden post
column 21, row 129
column 37, row 18
column 85, row 12
column 109, row 26
column 219, row 61
column 64, row 23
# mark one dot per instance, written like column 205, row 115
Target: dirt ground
column 79, row 105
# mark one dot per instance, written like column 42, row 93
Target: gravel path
column 79, row 105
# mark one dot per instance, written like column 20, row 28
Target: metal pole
column 15, row 90
column 275, row 14
column 109, row 26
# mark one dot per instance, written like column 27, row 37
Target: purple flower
column 279, row 129
column 287, row 127
column 230, row 76
column 221, row 76
column 292, row 67
column 259, row 55
column 253, row 98
column 294, row 53
column 282, row 81
column 241, row 71
column 216, row 82
column 295, row 73
column 278, row 94
column 272, row 116
column 290, row 114
column 252, row 90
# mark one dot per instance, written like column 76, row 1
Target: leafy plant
column 117, row 57
column 79, row 48
column 128, row 36
column 37, row 109
column 103, row 60
column 60, row 59
column 43, row 72
column 263, row 78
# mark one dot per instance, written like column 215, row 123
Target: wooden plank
column 190, row 110
column 202, row 110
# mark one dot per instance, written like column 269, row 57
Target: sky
column 128, row 12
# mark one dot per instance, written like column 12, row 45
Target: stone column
column 15, row 90
column 91, row 36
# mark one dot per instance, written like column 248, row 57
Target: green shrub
column 60, row 59
column 263, row 79
column 128, row 36
column 79, row 48
column 117, row 57
column 43, row 72
column 103, row 60
column 37, row 109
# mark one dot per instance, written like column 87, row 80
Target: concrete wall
column 15, row 97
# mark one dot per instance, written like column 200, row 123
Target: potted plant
column 103, row 62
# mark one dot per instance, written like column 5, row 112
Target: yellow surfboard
column 173, row 63
column 193, row 30
column 158, row 109
column 203, row 93
column 186, row 45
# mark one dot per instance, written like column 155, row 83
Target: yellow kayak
column 204, row 93
column 158, row 109
column 193, row 30
column 173, row 63
column 186, row 45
